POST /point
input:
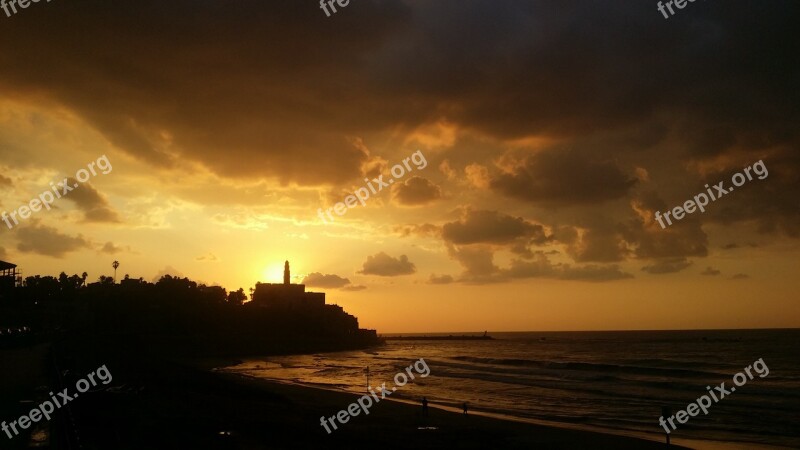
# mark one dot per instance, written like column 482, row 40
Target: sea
column 617, row 382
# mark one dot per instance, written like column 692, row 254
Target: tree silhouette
column 115, row 264
column 237, row 297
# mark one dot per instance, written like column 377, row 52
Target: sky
column 535, row 141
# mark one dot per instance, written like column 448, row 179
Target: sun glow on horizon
column 273, row 273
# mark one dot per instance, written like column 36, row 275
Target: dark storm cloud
column 248, row 88
column 276, row 89
column 772, row 203
column 717, row 77
column 683, row 239
column 254, row 88
column 563, row 177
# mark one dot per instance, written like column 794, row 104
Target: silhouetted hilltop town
column 287, row 295
column 176, row 316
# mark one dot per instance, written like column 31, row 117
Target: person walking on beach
column 424, row 407
column 465, row 408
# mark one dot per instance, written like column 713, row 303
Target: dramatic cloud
column 94, row 206
column 416, row 191
column 267, row 113
column 492, row 227
column 771, row 203
column 387, row 266
column 710, row 271
column 566, row 124
column 316, row 279
column 44, row 240
column 478, row 264
column 684, row 239
column 562, row 177
column 603, row 242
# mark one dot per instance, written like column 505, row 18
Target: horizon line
column 591, row 331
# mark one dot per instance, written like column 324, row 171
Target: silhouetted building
column 331, row 320
column 286, row 295
column 8, row 275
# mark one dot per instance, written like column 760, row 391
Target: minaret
column 286, row 273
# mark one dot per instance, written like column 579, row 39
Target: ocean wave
column 590, row 367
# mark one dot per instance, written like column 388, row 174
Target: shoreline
column 696, row 444
column 169, row 404
column 448, row 419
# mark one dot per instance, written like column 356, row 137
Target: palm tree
column 115, row 264
column 84, row 275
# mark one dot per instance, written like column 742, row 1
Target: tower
column 287, row 295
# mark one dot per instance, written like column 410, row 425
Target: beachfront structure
column 310, row 307
column 286, row 295
column 8, row 275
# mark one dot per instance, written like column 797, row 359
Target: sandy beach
column 178, row 406
column 165, row 405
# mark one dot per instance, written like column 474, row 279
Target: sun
column 273, row 273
